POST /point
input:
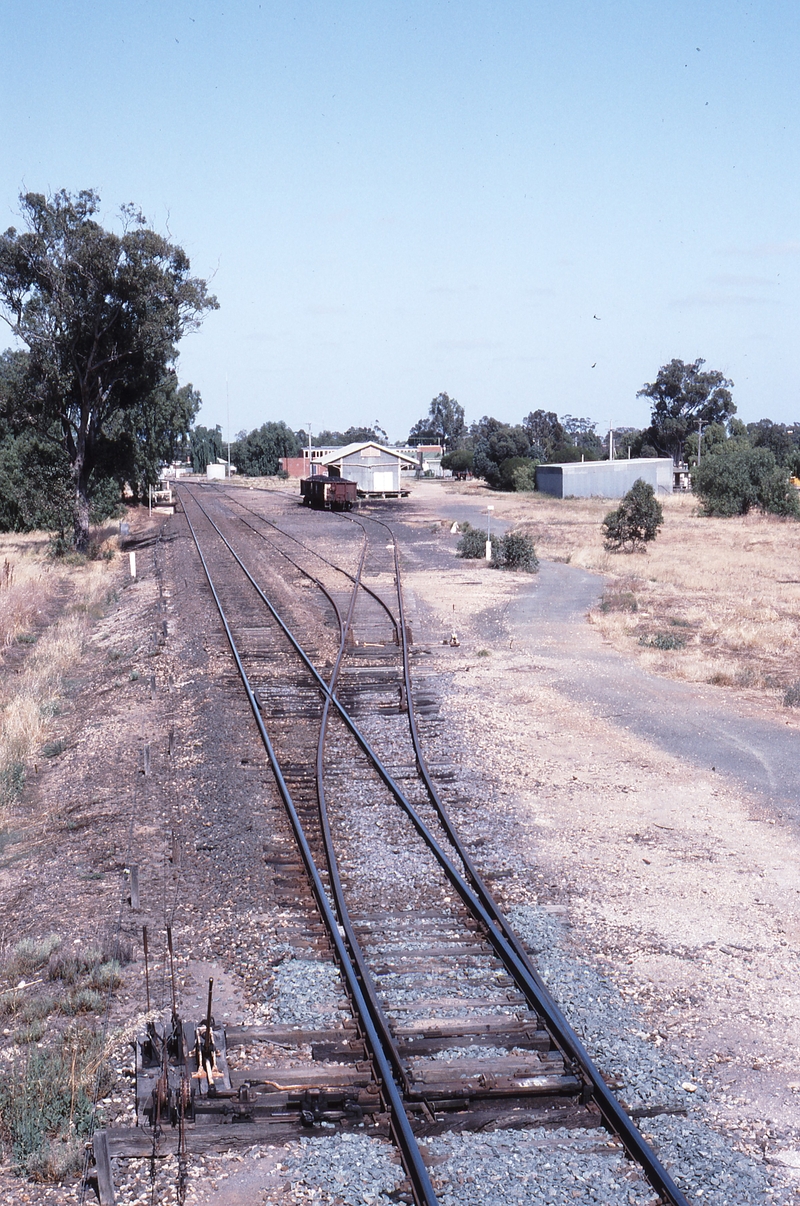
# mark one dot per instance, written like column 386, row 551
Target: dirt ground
column 676, row 880
column 681, row 882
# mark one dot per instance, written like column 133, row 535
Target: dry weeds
column 66, row 597
column 712, row 600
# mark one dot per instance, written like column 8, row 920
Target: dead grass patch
column 35, row 589
column 712, row 600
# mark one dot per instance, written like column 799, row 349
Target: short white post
column 132, row 558
column 489, row 533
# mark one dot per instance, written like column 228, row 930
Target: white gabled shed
column 375, row 469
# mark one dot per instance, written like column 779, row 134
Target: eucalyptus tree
column 101, row 314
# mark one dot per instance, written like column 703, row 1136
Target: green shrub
column 472, row 543
column 514, row 551
column 517, row 467
column 735, row 480
column 12, row 781
column 459, row 461
column 663, row 640
column 623, row 600
column 30, row 956
column 791, row 696
column 523, row 478
column 82, row 1000
column 636, row 521
column 46, row 1103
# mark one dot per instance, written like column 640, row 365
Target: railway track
column 444, row 1023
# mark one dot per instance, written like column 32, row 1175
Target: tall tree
column 101, row 314
column 683, row 395
column 205, row 446
column 259, row 453
column 545, row 433
column 494, row 444
column 353, row 435
column 444, row 424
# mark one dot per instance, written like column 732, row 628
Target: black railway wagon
column 334, row 492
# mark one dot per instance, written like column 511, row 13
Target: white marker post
column 132, row 558
column 489, row 533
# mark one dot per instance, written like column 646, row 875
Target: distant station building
column 605, row 479
column 377, row 471
column 306, row 463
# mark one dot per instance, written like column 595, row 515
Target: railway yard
column 464, row 936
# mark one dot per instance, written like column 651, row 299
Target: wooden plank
column 477, row 1117
column 137, row 1142
column 102, row 1160
column 310, row 1076
column 507, row 1065
column 527, row 1040
column 509, row 1000
column 503, row 1087
column 286, row 1037
column 489, row 1024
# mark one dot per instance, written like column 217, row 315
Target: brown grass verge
column 47, row 606
column 712, row 600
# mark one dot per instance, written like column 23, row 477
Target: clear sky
column 392, row 199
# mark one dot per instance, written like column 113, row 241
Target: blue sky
column 394, row 199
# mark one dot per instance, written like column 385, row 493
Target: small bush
column 472, row 544
column 105, row 976
column 791, row 696
column 12, row 781
column 523, row 479
column 624, row 600
column 32, row 1031
column 30, row 956
column 663, row 640
column 46, row 1103
column 514, row 551
column 636, row 521
column 51, row 749
column 517, row 469
column 82, row 1000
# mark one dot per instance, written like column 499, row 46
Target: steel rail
column 401, row 1128
column 479, row 883
column 367, row 982
column 315, row 552
column 527, row 979
column 357, row 954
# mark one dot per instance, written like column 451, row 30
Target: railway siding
column 465, row 1035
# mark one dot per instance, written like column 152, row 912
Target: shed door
column 383, row 480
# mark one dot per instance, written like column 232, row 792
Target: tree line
column 91, row 406
column 734, row 466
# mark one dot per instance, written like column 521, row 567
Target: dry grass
column 35, row 589
column 712, row 600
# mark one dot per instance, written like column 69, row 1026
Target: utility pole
column 228, row 408
column 308, row 425
column 699, row 438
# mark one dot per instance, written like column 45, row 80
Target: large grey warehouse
column 604, row 479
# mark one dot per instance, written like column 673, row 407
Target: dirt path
column 693, row 722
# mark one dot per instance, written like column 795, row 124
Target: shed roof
column 617, row 463
column 338, row 454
